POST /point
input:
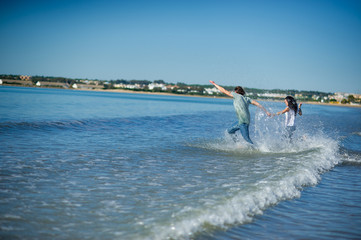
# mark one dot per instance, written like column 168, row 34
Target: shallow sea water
column 95, row 165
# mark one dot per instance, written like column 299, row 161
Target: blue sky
column 303, row 45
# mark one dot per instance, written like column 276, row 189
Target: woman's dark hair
column 239, row 90
column 292, row 104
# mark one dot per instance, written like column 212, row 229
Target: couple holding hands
column 241, row 106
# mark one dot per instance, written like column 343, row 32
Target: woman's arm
column 221, row 89
column 299, row 109
column 282, row 112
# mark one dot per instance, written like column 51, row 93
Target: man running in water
column 241, row 106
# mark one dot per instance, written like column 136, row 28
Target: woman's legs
column 289, row 132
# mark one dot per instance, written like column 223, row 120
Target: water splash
column 281, row 169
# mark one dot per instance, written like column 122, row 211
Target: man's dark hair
column 239, row 90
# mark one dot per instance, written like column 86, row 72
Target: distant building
column 127, row 86
column 182, row 90
column 357, row 96
column 1, row 81
column 157, row 85
column 88, row 86
column 171, row 87
column 90, row 82
column 339, row 96
column 272, row 95
column 194, row 91
column 25, row 77
column 211, row 91
column 315, row 97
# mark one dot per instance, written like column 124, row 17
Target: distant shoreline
column 181, row 95
column 187, row 95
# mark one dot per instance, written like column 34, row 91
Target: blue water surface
column 107, row 165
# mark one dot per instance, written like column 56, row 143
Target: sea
column 109, row 165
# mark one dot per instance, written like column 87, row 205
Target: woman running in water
column 290, row 111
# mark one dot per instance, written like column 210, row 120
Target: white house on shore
column 128, row 86
column 211, row 91
column 272, row 95
column 157, row 85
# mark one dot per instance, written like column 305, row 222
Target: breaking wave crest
column 281, row 170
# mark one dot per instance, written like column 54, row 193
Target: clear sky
column 303, row 45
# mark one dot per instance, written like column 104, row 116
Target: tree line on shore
column 183, row 88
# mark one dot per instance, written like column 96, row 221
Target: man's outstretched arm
column 260, row 106
column 221, row 89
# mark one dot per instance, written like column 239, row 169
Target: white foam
column 312, row 155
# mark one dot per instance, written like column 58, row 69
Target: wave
column 42, row 124
column 109, row 123
column 350, row 157
column 357, row 133
column 63, row 125
column 284, row 167
column 351, row 149
column 352, row 160
column 299, row 164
